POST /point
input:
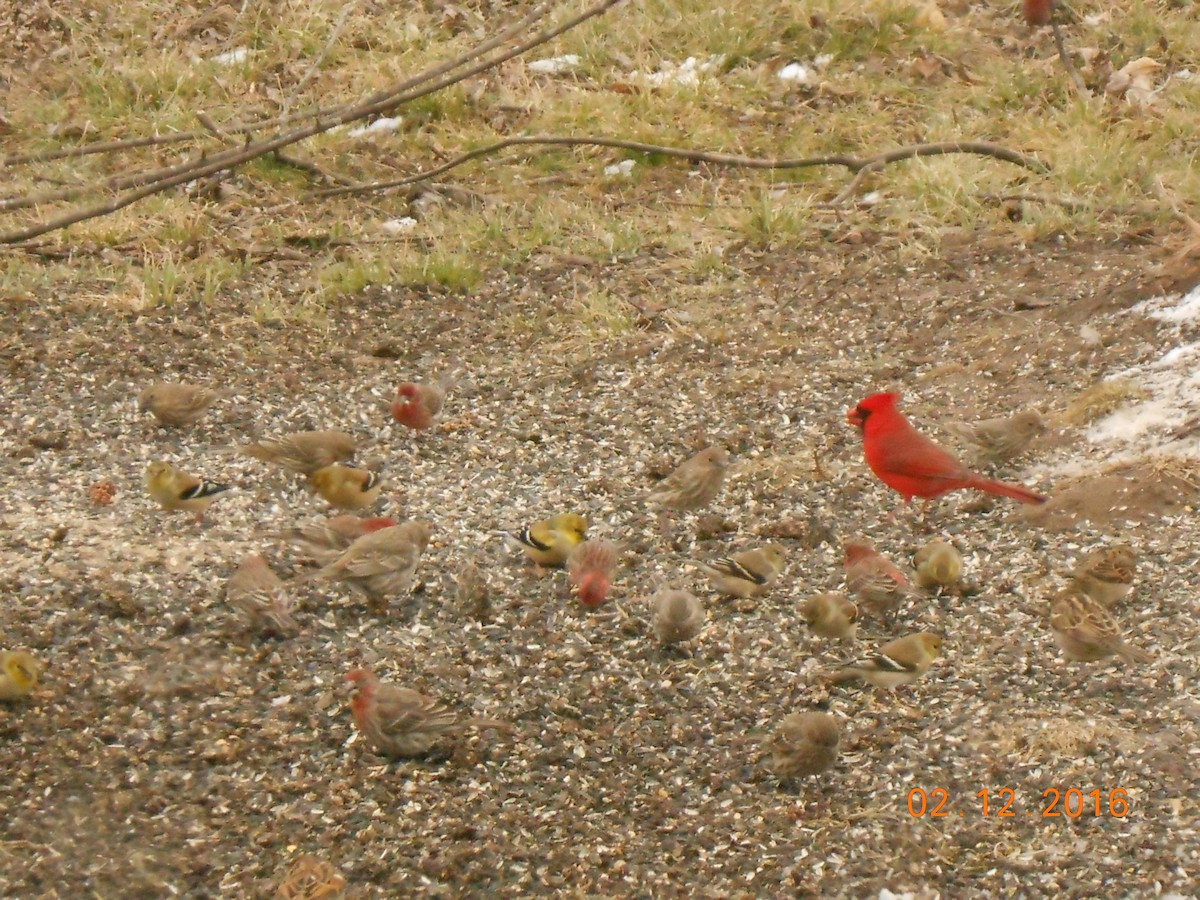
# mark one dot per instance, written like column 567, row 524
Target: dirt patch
column 222, row 759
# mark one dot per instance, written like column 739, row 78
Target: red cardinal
column 907, row 461
column 1037, row 12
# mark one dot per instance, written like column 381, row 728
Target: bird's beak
column 854, row 417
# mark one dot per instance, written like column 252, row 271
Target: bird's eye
column 862, row 412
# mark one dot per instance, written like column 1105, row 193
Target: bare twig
column 316, row 63
column 1070, row 204
column 855, row 164
column 382, row 102
column 1080, row 89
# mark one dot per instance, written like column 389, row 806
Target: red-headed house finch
column 417, row 405
column 399, row 722
column 874, row 579
column 325, row 540
column 590, row 568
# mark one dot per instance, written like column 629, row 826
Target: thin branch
column 378, row 104
column 1080, row 89
column 856, row 164
column 316, row 63
column 317, row 113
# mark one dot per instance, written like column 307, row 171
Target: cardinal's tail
column 1004, row 489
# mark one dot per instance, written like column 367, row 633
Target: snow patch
column 555, row 65
column 230, row 57
column 623, row 169
column 688, row 72
column 379, row 125
column 1173, row 383
column 403, row 225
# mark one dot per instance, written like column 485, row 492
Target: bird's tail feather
column 1004, row 489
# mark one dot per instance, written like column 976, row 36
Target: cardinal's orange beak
column 855, row 418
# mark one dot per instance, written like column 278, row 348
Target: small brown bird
column 259, row 597
column 399, row 722
column 831, row 615
column 310, row 878
column 346, row 487
column 1106, row 575
column 325, row 540
column 804, row 744
column 696, row 482
column 473, row 592
column 590, row 568
column 898, row 662
column 1085, row 631
column 304, row 452
column 176, row 404
column 173, row 489
column 381, row 564
column 746, row 574
column 678, row 616
column 875, row 579
column 1001, row 439
column 939, row 564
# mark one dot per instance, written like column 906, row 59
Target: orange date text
column 1001, row 803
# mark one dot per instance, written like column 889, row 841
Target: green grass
column 147, row 70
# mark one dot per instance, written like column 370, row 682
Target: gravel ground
column 169, row 753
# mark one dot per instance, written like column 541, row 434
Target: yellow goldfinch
column 304, row 451
column 939, row 564
column 173, row 489
column 746, row 574
column 678, row 616
column 550, row 541
column 259, row 597
column 325, row 540
column 176, row 404
column 874, row 579
column 346, row 487
column 898, row 662
column 831, row 615
column 804, row 744
column 1085, row 631
column 381, row 564
column 1001, row 439
column 696, row 482
column 19, row 673
column 1106, row 575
